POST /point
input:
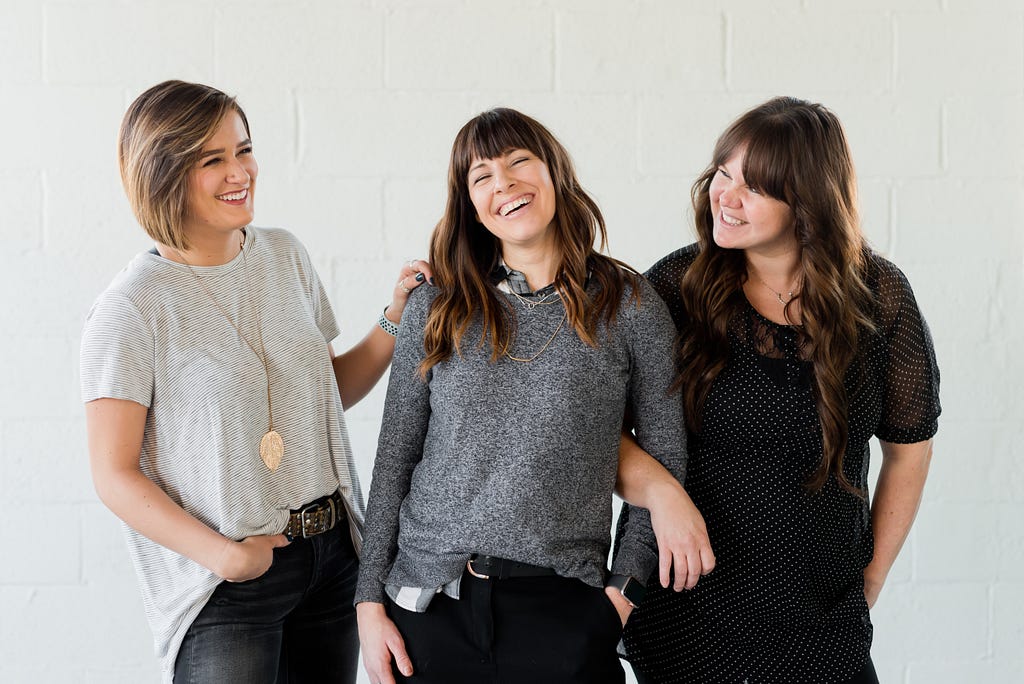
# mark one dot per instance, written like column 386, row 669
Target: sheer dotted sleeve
column 909, row 372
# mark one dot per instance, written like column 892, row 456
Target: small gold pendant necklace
column 778, row 295
column 271, row 446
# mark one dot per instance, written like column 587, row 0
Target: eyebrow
column 220, row 150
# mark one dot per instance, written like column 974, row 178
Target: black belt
column 315, row 518
column 492, row 567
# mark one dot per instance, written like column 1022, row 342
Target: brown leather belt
column 315, row 518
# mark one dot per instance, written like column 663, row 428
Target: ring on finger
column 402, row 287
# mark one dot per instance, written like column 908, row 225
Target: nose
column 237, row 173
column 502, row 181
column 728, row 197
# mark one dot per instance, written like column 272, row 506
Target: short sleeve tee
column 155, row 337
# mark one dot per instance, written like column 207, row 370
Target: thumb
column 278, row 540
column 402, row 660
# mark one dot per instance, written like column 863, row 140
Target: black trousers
column 865, row 676
column 529, row 630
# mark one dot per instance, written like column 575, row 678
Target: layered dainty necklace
column 550, row 298
column 271, row 446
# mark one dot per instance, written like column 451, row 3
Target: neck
column 206, row 250
column 781, row 271
column 539, row 264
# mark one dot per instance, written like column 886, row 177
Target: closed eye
column 481, row 177
column 724, row 173
column 211, row 161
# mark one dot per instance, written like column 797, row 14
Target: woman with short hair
column 216, row 428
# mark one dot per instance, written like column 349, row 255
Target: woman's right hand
column 684, row 549
column 250, row 558
column 379, row 639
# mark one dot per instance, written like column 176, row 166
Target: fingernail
column 420, row 277
column 431, row 281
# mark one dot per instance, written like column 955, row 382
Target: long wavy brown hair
column 796, row 152
column 463, row 253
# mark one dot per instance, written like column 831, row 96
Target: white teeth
column 232, row 196
column 729, row 220
column 507, row 209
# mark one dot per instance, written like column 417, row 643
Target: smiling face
column 514, row 198
column 744, row 218
column 221, row 185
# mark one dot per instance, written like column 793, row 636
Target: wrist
column 628, row 588
column 223, row 564
column 369, row 608
column 388, row 321
column 662, row 492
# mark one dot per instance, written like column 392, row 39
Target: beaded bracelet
column 386, row 325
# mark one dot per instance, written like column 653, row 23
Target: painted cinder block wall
column 354, row 105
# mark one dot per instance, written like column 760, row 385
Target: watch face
column 633, row 591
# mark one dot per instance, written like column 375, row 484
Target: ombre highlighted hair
column 161, row 140
column 463, row 253
column 796, row 152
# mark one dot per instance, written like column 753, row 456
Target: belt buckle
column 307, row 522
column 474, row 573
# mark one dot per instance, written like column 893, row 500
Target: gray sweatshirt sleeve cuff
column 633, row 557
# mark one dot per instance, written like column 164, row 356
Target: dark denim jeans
column 295, row 624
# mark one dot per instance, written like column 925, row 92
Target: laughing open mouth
column 730, row 221
column 515, row 205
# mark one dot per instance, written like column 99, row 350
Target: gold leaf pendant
column 272, row 449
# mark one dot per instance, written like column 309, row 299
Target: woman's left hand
column 413, row 274
column 622, row 606
column 872, row 588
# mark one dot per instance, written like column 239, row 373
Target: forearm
column 896, row 501
column 360, row 368
column 147, row 509
column 641, row 480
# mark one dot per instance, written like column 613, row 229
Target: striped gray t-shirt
column 154, row 337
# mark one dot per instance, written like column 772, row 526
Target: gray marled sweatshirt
column 518, row 460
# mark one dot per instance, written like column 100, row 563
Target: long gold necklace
column 530, row 305
column 271, row 446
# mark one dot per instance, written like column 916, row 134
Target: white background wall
column 353, row 108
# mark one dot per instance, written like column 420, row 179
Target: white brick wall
column 354, row 104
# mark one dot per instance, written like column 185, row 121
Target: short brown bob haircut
column 161, row 140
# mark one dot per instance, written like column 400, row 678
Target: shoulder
column 667, row 272
column 642, row 306
column 144, row 280
column 890, row 287
column 278, row 241
column 418, row 306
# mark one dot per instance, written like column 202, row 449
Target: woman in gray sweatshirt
column 489, row 513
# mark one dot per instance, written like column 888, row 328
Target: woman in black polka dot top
column 797, row 345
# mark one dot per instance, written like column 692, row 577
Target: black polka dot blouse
column 785, row 602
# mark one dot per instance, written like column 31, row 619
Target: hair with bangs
column 161, row 139
column 463, row 253
column 796, row 152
